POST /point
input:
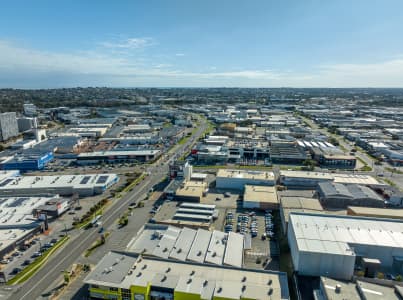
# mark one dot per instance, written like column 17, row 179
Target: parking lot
column 260, row 231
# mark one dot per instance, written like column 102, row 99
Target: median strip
column 34, row 266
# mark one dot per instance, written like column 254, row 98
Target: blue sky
column 262, row 43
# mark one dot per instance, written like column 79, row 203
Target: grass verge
column 97, row 244
column 34, row 266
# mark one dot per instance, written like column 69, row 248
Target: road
column 83, row 239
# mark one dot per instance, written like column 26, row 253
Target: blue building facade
column 28, row 163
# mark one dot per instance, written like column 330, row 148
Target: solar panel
column 85, row 180
column 17, row 202
column 5, row 182
column 102, row 179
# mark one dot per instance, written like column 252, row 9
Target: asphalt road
column 82, row 239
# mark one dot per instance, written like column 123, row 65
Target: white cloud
column 116, row 69
column 128, row 43
column 180, row 54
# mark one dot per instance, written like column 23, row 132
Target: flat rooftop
column 334, row 234
column 389, row 213
column 245, row 174
column 119, row 153
column 263, row 194
column 188, row 244
column 126, row 270
column 191, row 189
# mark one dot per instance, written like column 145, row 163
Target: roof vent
column 192, row 273
column 189, row 281
column 338, row 288
column 244, row 279
column 199, row 253
column 243, row 288
column 205, row 282
column 270, row 282
column 163, row 278
column 168, row 270
column 145, row 266
column 139, row 274
column 270, row 292
column 219, row 290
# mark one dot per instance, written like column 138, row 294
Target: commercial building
column 289, row 205
column 29, row 109
column 18, row 220
column 64, row 185
column 288, row 153
column 25, row 124
column 117, row 156
column 332, row 289
column 338, row 195
column 28, row 161
column 8, row 126
column 186, row 244
column 329, row 245
column 129, row 276
column 237, row 179
column 191, row 191
column 260, row 197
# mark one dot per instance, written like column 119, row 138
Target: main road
column 82, row 239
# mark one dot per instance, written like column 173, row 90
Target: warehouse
column 236, row 179
column 88, row 158
column 133, row 276
column 332, row 289
column 329, row 245
column 311, row 179
column 297, row 204
column 338, row 195
column 260, row 197
column 64, row 185
column 186, row 244
column 388, row 213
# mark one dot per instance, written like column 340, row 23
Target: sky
column 206, row 43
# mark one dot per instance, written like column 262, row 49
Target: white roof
column 334, row 234
column 234, row 252
column 216, row 248
column 199, row 247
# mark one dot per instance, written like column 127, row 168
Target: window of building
column 113, row 289
column 126, row 294
column 139, row 297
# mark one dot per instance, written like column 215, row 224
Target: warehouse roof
column 351, row 191
column 333, row 234
column 264, row 194
column 189, row 244
column 356, row 290
column 245, row 174
column 125, row 270
column 191, row 189
column 338, row 178
column 118, row 153
column 390, row 213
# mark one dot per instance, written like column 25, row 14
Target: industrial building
column 289, row 205
column 311, row 179
column 388, row 213
column 329, row 245
column 121, row 275
column 25, row 124
column 8, row 126
column 332, row 289
column 237, row 179
column 18, row 220
column 64, row 185
column 288, row 153
column 260, row 197
column 187, row 214
column 117, row 156
column 338, row 195
column 186, row 244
